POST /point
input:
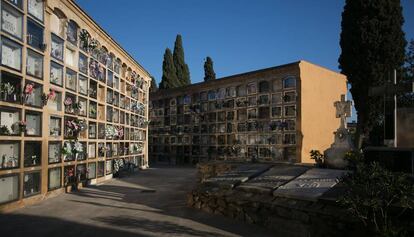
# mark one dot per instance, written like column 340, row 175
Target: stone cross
column 343, row 110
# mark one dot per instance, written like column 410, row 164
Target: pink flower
column 52, row 94
column 68, row 101
column 29, row 88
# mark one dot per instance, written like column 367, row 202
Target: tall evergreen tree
column 209, row 73
column 183, row 73
column 169, row 74
column 154, row 86
column 372, row 43
column 407, row 99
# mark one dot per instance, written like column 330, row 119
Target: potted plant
column 4, row 130
column 68, row 105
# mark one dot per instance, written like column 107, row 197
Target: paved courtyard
column 149, row 203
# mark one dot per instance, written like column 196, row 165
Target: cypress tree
column 169, row 74
column 183, row 73
column 209, row 73
column 153, row 87
column 372, row 43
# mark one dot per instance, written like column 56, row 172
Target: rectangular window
column 277, row 98
column 11, row 85
column 34, row 65
column 101, row 168
column 290, row 139
column 34, row 123
column 57, row 48
column 289, row 97
column 71, row 77
column 56, row 74
column 72, row 33
column 276, row 111
column 35, row 8
column 17, row 3
column 31, row 185
column 92, row 130
column 93, row 88
column 110, row 80
column 251, row 114
column 9, row 119
column 81, row 172
column 289, row 82
column 290, row 125
column 264, row 112
column 55, row 126
column 12, row 21
column 83, row 106
column 91, row 170
column 92, row 109
column 251, row 88
column 9, row 188
column 11, row 54
column 83, row 63
column 91, row 150
column 66, row 151
column 56, row 102
column 55, row 178
column 54, row 152
column 81, row 155
column 290, row 110
column 35, row 35
column 32, row 153
column 108, row 167
column 70, row 57
column 9, row 155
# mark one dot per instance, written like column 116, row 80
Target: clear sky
column 240, row 36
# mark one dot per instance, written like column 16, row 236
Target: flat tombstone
column 310, row 185
column 274, row 178
column 241, row 174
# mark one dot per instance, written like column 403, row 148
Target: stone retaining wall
column 212, row 169
column 287, row 217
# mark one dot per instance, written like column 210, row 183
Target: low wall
column 211, row 169
column 286, row 217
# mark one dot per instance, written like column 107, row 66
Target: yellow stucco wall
column 318, row 89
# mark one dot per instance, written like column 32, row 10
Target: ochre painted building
column 277, row 114
column 73, row 103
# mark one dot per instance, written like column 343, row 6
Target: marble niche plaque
column 270, row 180
column 233, row 178
column 310, row 185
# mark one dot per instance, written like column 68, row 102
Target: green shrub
column 378, row 197
column 318, row 157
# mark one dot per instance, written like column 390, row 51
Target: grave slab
column 277, row 176
column 311, row 185
column 233, row 178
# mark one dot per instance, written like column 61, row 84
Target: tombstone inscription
column 277, row 176
column 310, row 185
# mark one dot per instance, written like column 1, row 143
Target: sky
column 239, row 36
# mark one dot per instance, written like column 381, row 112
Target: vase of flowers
column 77, row 149
column 20, row 126
column 7, row 90
column 66, row 150
column 68, row 105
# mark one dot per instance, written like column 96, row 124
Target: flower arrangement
column 84, row 37
column 20, row 126
column 92, row 111
column 120, row 132
column 93, row 44
column 77, row 147
column 111, row 132
column 6, row 89
column 74, row 127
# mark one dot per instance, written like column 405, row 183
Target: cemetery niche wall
column 72, row 102
column 276, row 114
